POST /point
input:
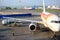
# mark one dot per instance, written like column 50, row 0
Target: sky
column 19, row 3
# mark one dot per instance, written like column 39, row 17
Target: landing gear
column 53, row 36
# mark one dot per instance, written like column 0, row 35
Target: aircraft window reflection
column 55, row 21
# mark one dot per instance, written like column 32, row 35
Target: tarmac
column 22, row 33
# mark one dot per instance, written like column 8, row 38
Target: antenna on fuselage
column 43, row 6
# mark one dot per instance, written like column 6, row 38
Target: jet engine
column 7, row 21
column 33, row 27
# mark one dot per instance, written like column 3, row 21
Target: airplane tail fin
column 43, row 6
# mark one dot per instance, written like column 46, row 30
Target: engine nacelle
column 4, row 21
column 32, row 27
column 7, row 21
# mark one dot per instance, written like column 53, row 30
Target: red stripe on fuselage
column 46, row 16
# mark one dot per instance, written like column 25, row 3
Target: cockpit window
column 55, row 21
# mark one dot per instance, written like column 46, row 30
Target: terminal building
column 53, row 7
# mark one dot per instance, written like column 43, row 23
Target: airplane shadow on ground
column 5, row 29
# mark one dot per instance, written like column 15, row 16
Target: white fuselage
column 51, row 21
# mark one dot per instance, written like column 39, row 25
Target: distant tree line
column 10, row 8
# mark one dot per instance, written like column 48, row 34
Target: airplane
column 49, row 20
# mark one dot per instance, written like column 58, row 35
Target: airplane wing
column 22, row 20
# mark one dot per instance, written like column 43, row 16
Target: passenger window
column 59, row 21
column 55, row 21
